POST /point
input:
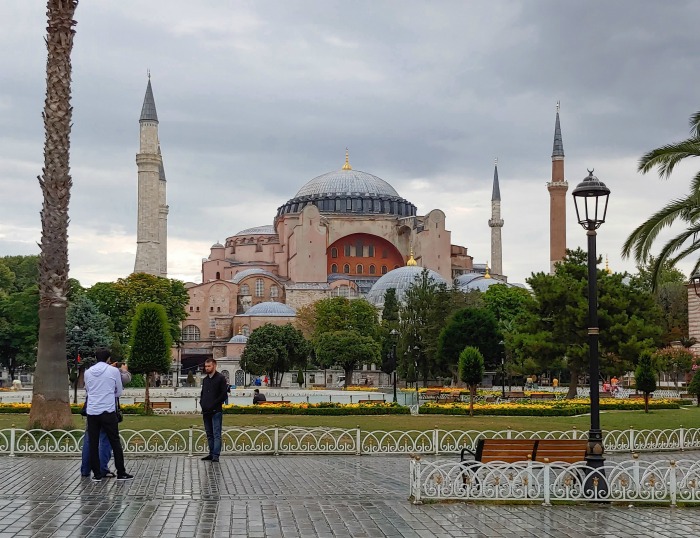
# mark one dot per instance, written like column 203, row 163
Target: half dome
column 271, row 309
column 267, row 229
column 400, row 279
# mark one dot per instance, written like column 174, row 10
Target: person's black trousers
column 109, row 423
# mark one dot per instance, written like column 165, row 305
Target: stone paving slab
column 288, row 496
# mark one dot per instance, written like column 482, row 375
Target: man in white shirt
column 103, row 384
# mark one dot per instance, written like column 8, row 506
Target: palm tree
column 50, row 403
column 686, row 209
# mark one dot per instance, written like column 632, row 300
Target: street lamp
column 503, row 369
column 695, row 280
column 394, row 334
column 178, row 344
column 591, row 201
column 74, row 373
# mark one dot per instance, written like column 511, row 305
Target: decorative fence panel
column 297, row 440
column 628, row 481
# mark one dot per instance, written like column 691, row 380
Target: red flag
column 78, row 358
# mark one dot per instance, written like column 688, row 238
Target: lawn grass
column 610, row 420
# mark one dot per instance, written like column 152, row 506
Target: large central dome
column 347, row 182
column 349, row 191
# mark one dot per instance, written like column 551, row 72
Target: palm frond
column 640, row 241
column 671, row 246
column 695, row 125
column 667, row 157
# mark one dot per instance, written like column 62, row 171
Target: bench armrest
column 465, row 449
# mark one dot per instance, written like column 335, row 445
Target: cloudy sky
column 256, row 98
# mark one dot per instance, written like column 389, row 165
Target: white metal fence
column 296, row 440
column 667, row 481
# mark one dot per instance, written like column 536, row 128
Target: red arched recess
column 363, row 252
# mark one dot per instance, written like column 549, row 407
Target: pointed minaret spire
column 347, row 166
column 557, row 200
column 496, row 223
column 558, row 148
column 152, row 219
column 148, row 110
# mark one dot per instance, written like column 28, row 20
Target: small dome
column 401, row 279
column 217, row 245
column 271, row 309
column 258, row 230
column 238, row 339
column 477, row 281
column 253, row 271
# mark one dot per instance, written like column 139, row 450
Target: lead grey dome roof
column 238, row 339
column 271, row 309
column 401, row 279
column 347, row 182
column 477, row 281
column 252, row 271
column 268, row 229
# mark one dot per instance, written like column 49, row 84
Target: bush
column 137, row 381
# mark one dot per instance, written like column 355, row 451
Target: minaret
column 496, row 223
column 152, row 223
column 557, row 200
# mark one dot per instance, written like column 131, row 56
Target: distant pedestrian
column 213, row 395
column 258, row 397
column 103, row 385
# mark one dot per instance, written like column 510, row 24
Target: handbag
column 118, row 410
column 83, row 410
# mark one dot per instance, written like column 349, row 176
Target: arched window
column 334, row 252
column 245, row 289
column 245, row 330
column 346, row 269
column 218, row 275
column 190, row 332
column 372, row 270
column 343, row 291
column 383, row 269
column 274, row 292
column 347, row 249
column 359, row 269
column 191, row 308
column 259, row 287
column 218, row 309
column 334, row 268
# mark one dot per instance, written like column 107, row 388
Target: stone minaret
column 152, row 224
column 496, row 223
column 557, row 200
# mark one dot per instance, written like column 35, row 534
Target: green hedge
column 324, row 408
column 513, row 412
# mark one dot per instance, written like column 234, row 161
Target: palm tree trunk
column 50, row 400
column 147, row 398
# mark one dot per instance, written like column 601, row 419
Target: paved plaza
column 288, row 496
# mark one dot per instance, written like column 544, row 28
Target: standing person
column 103, row 384
column 105, row 448
column 258, row 397
column 212, row 398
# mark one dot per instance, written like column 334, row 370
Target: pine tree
column 694, row 386
column 471, row 372
column 645, row 378
column 150, row 343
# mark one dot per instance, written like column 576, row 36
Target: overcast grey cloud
column 256, row 98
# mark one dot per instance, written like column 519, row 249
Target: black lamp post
column 74, row 373
column 591, row 200
column 695, row 280
column 394, row 333
column 503, row 369
column 178, row 344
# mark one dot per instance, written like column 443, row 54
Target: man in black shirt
column 258, row 397
column 213, row 395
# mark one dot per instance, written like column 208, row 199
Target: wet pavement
column 288, row 496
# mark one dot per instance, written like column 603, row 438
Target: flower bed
column 559, row 408
column 24, row 408
column 324, row 408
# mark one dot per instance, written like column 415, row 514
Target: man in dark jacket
column 213, row 395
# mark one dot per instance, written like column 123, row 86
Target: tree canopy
column 347, row 349
column 273, row 350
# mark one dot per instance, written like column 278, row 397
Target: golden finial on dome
column 487, row 275
column 607, row 267
column 411, row 261
column 347, row 166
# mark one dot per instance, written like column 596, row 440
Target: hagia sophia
column 344, row 233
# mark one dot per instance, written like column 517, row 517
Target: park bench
column 605, row 394
column 543, row 396
column 639, row 396
column 429, row 395
column 370, row 401
column 687, row 396
column 450, row 397
column 161, row 405
column 273, row 402
column 516, row 395
column 518, row 450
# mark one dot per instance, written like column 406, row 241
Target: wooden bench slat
column 519, row 450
